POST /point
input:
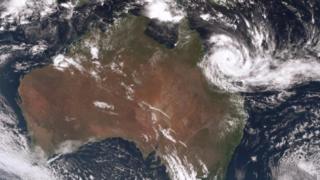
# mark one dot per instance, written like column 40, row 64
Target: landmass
column 123, row 83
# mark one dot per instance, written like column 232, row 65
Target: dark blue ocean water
column 274, row 117
column 113, row 158
column 274, row 130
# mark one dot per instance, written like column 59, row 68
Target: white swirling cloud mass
column 232, row 66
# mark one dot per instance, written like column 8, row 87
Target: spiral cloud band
column 232, row 66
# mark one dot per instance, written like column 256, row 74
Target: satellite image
column 159, row 90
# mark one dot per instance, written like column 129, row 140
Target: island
column 122, row 83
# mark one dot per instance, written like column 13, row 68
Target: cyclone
column 234, row 66
column 267, row 51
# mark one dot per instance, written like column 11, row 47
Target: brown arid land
column 121, row 83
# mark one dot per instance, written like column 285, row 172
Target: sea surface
column 268, row 52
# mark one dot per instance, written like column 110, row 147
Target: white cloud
column 232, row 66
column 61, row 63
column 163, row 10
column 94, row 52
column 21, row 10
column 103, row 105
